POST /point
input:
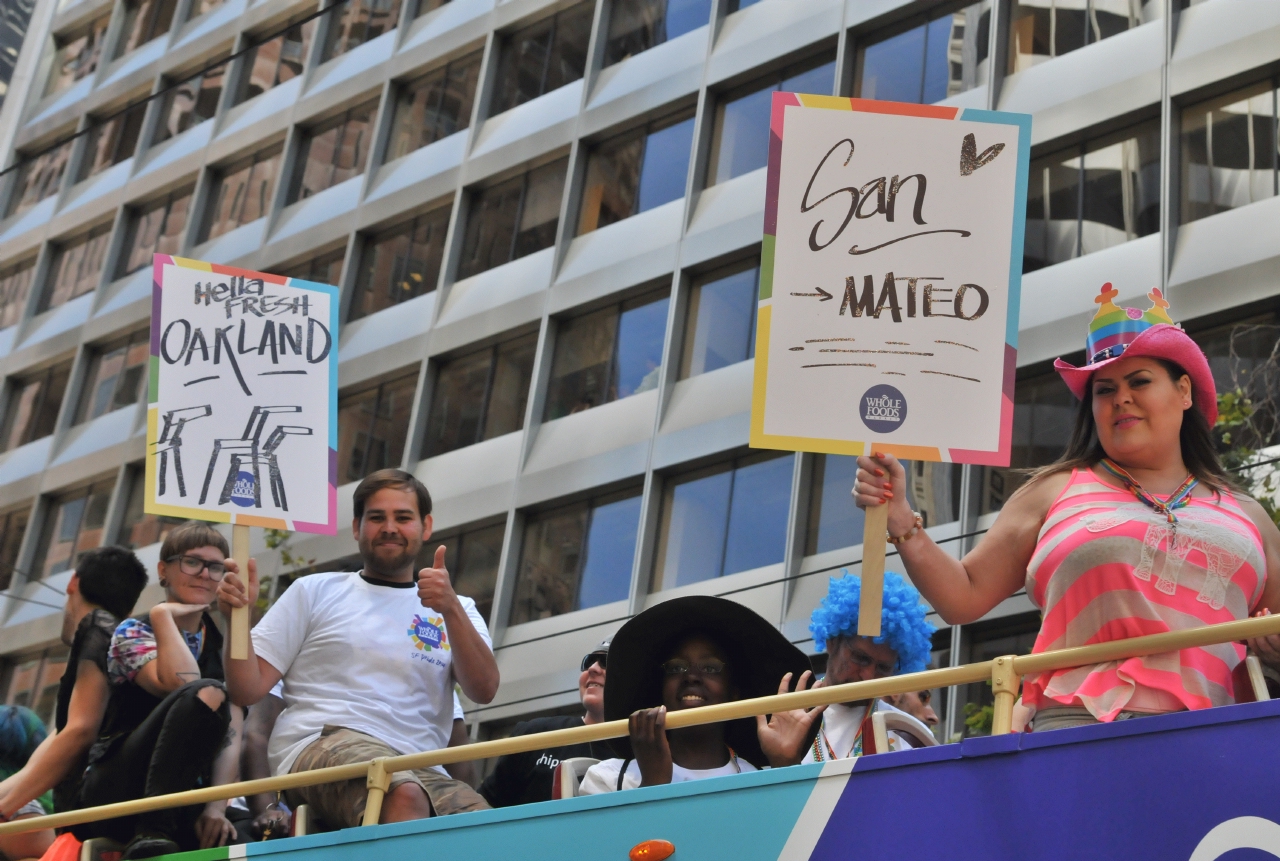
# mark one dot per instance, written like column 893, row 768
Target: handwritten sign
column 242, row 406
column 890, row 279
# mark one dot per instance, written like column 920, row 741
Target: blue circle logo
column 883, row 409
column 242, row 490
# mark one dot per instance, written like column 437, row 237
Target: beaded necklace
column 1180, row 498
column 855, row 750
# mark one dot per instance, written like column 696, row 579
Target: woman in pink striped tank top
column 1135, row 530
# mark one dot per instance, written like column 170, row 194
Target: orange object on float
column 652, row 850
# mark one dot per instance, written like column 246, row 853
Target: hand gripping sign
column 242, row 403
column 889, row 286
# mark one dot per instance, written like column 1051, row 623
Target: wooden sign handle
column 240, row 615
column 873, row 546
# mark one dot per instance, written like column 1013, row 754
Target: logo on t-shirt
column 428, row 634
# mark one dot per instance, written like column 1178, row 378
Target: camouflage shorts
column 341, row 805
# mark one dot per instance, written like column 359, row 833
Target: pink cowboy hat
column 1115, row 332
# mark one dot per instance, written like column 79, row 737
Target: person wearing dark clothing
column 105, row 586
column 523, row 778
column 168, row 726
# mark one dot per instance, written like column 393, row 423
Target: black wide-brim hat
column 757, row 653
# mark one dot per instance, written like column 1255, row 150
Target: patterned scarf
column 1178, row 499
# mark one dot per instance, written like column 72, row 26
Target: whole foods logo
column 883, row 409
column 242, row 492
column 428, row 634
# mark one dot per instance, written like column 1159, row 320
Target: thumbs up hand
column 434, row 587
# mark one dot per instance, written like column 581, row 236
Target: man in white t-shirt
column 369, row 660
column 844, row 729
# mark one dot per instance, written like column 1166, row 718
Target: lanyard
column 1180, row 498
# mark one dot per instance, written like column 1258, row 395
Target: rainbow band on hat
column 1113, row 328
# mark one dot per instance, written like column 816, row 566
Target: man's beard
column 388, row 569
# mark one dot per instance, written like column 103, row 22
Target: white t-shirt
column 365, row 657
column 603, row 776
column 840, row 723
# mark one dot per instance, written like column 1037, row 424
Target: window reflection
column 723, row 519
column 372, row 427
column 354, row 22
column 137, row 528
column 73, row 524
column 15, row 287
column 1043, row 417
column 577, row 556
column 322, row 269
column 433, row 106
column 542, row 57
column 1229, row 151
column 721, row 328
column 116, row 376
column 400, row 264
column 513, row 219
column 76, row 268
column 190, row 103
column 34, row 401
column 157, row 228
column 241, row 193
column 1040, row 30
column 333, row 152
column 13, row 527
column 38, row 177
column 740, row 140
column 609, row 354
column 76, row 56
column 276, row 60
column 472, row 557
column 144, row 20
column 638, row 25
column 109, row 142
column 929, row 62
column 1102, row 193
column 480, row 396
column 636, row 172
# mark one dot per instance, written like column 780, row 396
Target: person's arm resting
column 64, row 751
column 248, row 681
column 173, row 665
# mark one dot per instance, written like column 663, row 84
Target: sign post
column 889, row 288
column 242, row 404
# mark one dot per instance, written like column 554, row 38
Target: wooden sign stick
column 873, row 547
column 240, row 615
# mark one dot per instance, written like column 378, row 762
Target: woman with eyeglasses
column 169, row 726
column 681, row 654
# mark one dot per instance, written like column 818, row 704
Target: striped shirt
column 1106, row 567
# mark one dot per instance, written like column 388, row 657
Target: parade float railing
column 1005, row 674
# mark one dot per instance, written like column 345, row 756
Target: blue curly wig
column 903, row 625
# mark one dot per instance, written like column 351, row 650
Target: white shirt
column 365, row 657
column 603, row 776
column 840, row 723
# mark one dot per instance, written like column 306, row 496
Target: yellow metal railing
column 1004, row 672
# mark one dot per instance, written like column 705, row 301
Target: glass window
column 72, row 525
column 13, row 526
column 76, row 268
column 333, row 152
column 241, row 193
column 738, row 5
column 1229, row 151
column 1010, row 635
column 34, row 682
column 144, row 20
column 190, row 102
column 740, row 139
column 933, row 60
column 200, row 7
column 513, row 218
column 1102, row 193
column 111, row 141
column 1040, row 30
column 542, row 57
column 724, row 519
column 1245, row 357
column 480, row 396
column 434, row 106
column 721, row 327
column 17, row 18
column 354, row 22
column 425, row 6
column 577, row 556
column 156, row 228
column 638, row 25
column 323, row 268
column 472, row 559
column 37, row 177
column 636, row 171
column 139, row 529
column 33, row 406
column 76, row 56
column 274, row 61
column 372, row 425
column 15, row 286
column 116, row 377
column 400, row 264
column 608, row 354
column 1044, row 415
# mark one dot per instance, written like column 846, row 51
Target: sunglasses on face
column 194, row 565
column 677, row 667
column 601, row 658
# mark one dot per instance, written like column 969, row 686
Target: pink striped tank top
column 1105, row 569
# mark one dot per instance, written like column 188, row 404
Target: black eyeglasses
column 677, row 667
column 601, row 658
column 194, row 565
